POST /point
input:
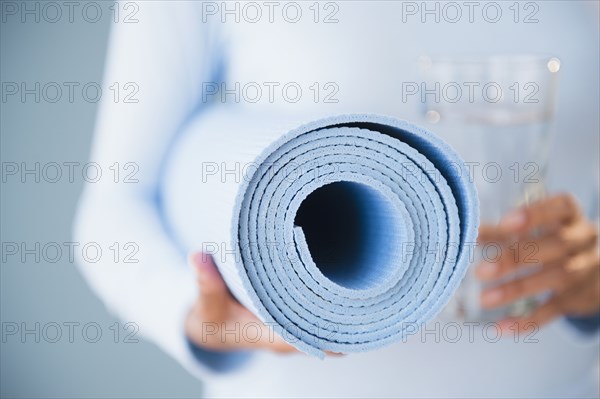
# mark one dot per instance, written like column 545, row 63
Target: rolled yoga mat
column 344, row 234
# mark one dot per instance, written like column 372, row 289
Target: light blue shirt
column 179, row 47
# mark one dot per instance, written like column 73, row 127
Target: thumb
column 214, row 297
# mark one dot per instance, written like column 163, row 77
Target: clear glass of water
column 497, row 112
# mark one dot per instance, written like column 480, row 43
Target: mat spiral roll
column 344, row 234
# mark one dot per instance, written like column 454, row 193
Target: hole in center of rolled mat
column 352, row 232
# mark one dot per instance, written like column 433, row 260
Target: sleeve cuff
column 219, row 361
column 586, row 324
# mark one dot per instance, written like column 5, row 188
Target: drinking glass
column 497, row 112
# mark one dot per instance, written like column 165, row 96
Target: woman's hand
column 554, row 236
column 217, row 321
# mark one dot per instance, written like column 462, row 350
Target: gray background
column 55, row 292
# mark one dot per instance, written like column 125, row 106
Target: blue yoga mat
column 344, row 234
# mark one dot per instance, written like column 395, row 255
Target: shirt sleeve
column 586, row 325
column 157, row 64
